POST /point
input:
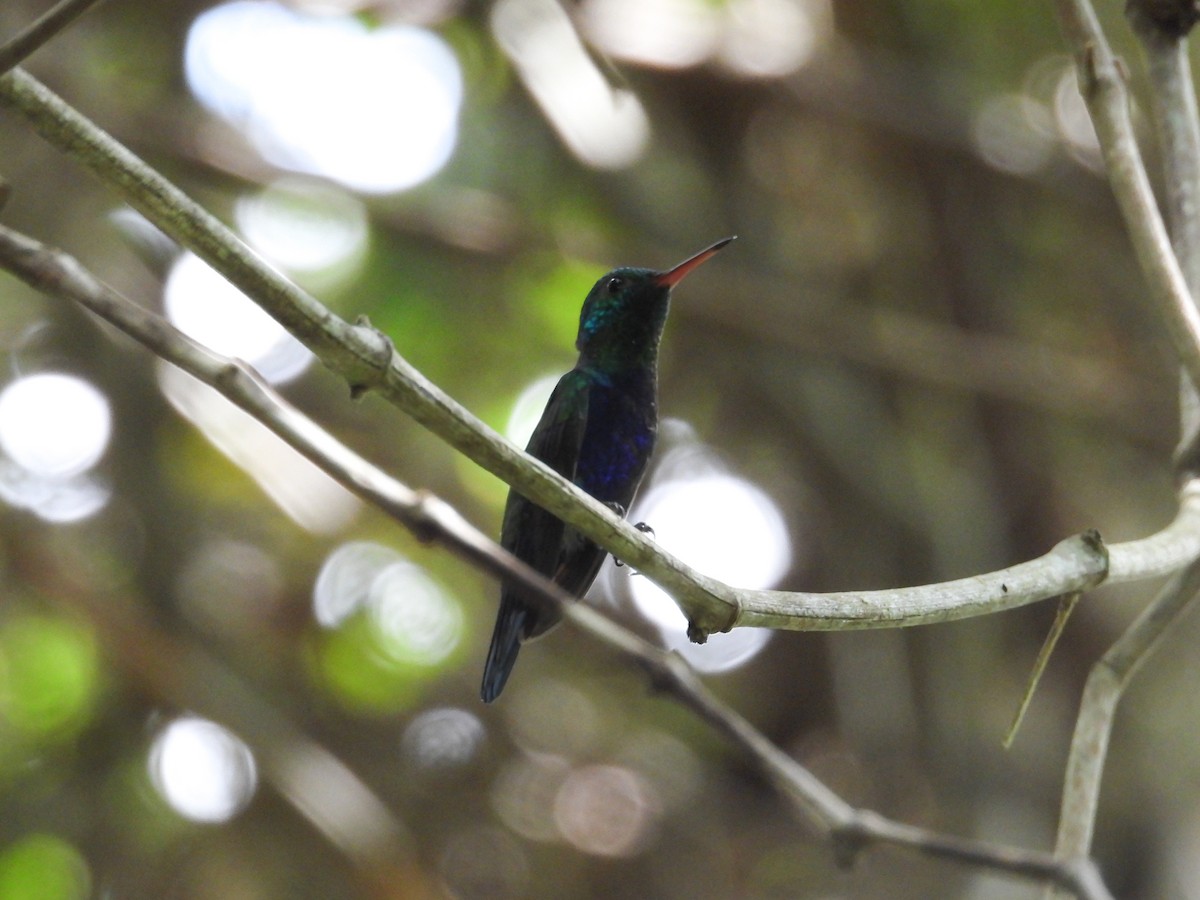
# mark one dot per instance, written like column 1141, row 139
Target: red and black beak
column 672, row 277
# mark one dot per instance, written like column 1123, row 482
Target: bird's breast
column 619, row 437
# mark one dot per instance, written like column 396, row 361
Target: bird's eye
column 615, row 284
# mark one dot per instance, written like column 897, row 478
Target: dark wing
column 529, row 532
column 532, row 534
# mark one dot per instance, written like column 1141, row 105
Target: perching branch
column 367, row 360
column 850, row 830
column 362, row 356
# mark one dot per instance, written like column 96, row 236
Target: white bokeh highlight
column 375, row 109
column 602, row 125
column 528, row 408
column 419, row 621
column 207, row 308
column 205, row 772
column 304, row 226
column 54, row 425
column 54, row 429
column 727, row 528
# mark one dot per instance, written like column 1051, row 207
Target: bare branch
column 429, row 518
column 1075, row 564
column 1161, row 27
column 360, row 355
column 368, row 361
column 1105, row 685
column 41, row 30
column 1102, row 83
column 1162, row 31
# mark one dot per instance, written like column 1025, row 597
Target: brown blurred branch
column 920, row 348
column 43, row 29
column 315, row 782
column 850, row 830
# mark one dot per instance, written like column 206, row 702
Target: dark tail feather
column 502, row 654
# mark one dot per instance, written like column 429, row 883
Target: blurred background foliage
column 926, row 356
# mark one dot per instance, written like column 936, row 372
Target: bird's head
column 624, row 313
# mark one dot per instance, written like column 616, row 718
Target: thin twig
column 1174, row 110
column 1102, row 83
column 850, row 829
column 1105, row 685
column 43, row 29
column 1066, row 606
column 1177, row 123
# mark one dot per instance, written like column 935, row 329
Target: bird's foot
column 644, row 529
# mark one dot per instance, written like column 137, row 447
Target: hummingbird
column 597, row 430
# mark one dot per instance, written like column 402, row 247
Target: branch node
column 229, row 374
column 423, row 522
column 1092, row 545
column 848, row 841
column 377, row 353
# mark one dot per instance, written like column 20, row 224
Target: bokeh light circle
column 376, row 109
column 303, row 225
column 43, row 866
column 606, row 810
column 210, row 310
column 442, row 738
column 202, row 770
column 528, row 409
column 419, row 622
column 729, row 529
column 54, row 425
column 345, row 579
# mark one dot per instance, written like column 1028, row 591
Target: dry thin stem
column 14, row 51
column 1105, row 685
column 1174, row 110
column 1177, row 123
column 1066, row 606
column 849, row 829
column 1102, row 83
